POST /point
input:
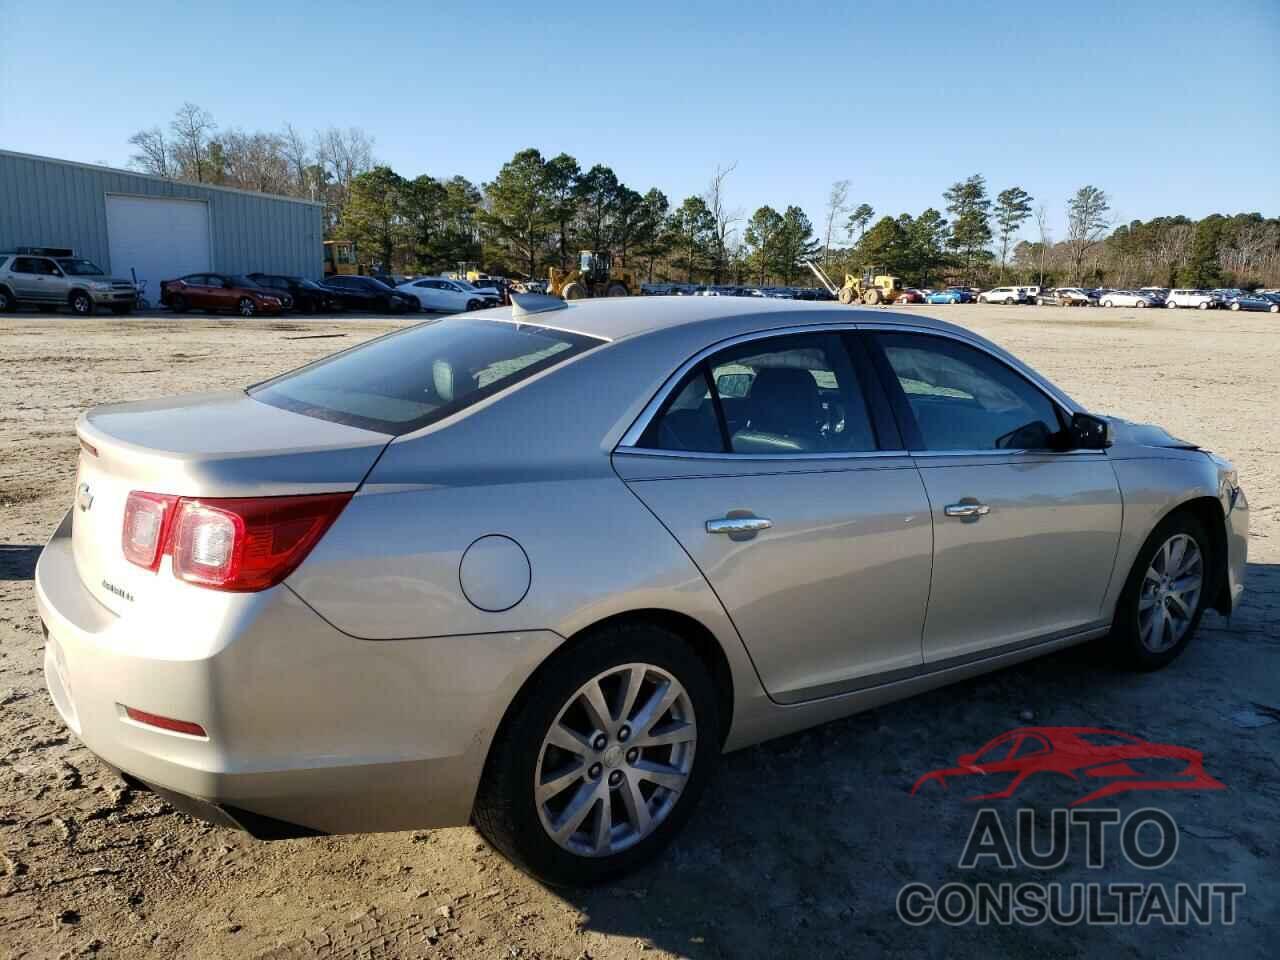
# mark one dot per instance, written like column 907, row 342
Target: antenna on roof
column 526, row 304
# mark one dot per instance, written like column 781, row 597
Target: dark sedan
column 1244, row 300
column 366, row 293
column 308, row 296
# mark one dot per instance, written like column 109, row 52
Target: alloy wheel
column 246, row 307
column 615, row 760
column 1170, row 593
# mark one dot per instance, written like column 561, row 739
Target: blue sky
column 1171, row 107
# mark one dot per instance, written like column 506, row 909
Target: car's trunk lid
column 207, row 445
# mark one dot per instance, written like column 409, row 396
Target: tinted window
column 778, row 396
column 964, row 399
column 24, row 265
column 411, row 378
column 79, row 267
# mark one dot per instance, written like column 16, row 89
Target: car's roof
column 617, row 318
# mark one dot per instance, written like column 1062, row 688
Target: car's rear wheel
column 1204, row 304
column 1274, row 308
column 81, row 304
column 1107, row 303
column 1171, row 305
column 1165, row 595
column 246, row 307
column 603, row 756
column 1235, row 306
column 178, row 303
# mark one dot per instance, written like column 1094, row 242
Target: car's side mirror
column 1088, row 432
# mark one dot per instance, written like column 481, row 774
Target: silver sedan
column 538, row 567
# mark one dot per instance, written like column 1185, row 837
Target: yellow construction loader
column 595, row 277
column 865, row 289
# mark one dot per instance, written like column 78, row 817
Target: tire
column 845, row 295
column 617, row 290
column 573, row 291
column 1235, row 306
column 871, row 298
column 246, row 307
column 474, row 305
column 1107, row 303
column 81, row 303
column 7, row 303
column 1274, row 308
column 1204, row 304
column 507, row 811
column 1171, row 305
column 1127, row 631
column 178, row 303
column 1141, row 304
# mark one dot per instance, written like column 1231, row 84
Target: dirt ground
column 801, row 846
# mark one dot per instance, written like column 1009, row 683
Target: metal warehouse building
column 159, row 228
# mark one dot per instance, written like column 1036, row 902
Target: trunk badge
column 84, row 497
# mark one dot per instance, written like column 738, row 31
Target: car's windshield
column 408, row 379
column 79, row 267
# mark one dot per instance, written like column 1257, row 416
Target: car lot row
column 48, row 281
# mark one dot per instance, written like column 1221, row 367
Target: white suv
column 1005, row 295
column 1201, row 299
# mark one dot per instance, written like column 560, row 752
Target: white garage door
column 158, row 237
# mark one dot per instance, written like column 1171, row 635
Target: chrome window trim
column 629, row 443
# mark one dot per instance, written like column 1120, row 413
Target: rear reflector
column 241, row 544
column 165, row 723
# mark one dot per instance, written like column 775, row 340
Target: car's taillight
column 147, row 518
column 241, row 544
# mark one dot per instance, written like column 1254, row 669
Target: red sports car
column 1108, row 761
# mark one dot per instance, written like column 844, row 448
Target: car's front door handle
column 739, row 528
column 971, row 510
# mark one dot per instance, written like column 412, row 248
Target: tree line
column 540, row 211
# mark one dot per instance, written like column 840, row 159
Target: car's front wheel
column 1166, row 593
column 603, row 757
column 81, row 304
column 247, row 307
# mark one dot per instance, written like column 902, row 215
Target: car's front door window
column 964, row 399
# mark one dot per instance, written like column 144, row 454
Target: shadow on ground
column 800, row 847
column 18, row 561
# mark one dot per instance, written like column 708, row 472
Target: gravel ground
column 799, row 849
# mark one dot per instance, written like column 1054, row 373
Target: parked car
column 951, row 295
column 490, row 295
column 536, row 614
column 1005, row 295
column 1129, row 298
column 1273, row 298
column 1156, row 293
column 1200, row 299
column 47, row 283
column 366, row 293
column 442, row 295
column 307, row 295
column 1244, row 300
column 1066, row 297
column 217, row 292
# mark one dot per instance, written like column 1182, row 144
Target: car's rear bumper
column 308, row 729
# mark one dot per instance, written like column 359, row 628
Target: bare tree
column 837, row 203
column 298, row 155
column 724, row 219
column 255, row 161
column 154, row 155
column 192, row 127
column 1088, row 217
column 1046, row 239
column 342, row 155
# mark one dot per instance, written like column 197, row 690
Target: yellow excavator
column 866, row 289
column 595, row 276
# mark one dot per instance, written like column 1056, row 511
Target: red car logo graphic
column 1103, row 762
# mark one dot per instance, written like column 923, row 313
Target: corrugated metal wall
column 55, row 203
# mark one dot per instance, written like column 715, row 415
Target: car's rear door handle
column 739, row 528
column 970, row 510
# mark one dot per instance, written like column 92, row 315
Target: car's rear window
column 408, row 379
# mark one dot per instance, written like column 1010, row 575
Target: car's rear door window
column 409, row 379
column 788, row 395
